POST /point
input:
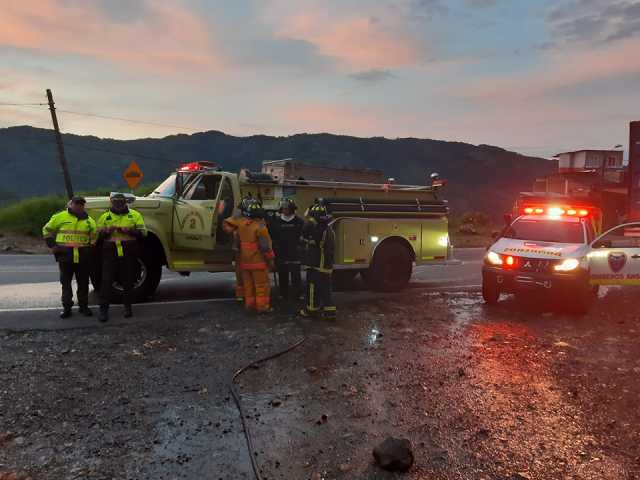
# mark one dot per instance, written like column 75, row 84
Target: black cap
column 78, row 199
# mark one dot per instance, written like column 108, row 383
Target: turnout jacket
column 70, row 235
column 319, row 243
column 255, row 242
column 286, row 237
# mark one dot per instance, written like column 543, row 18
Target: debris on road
column 394, row 455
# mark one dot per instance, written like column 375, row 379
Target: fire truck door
column 614, row 258
column 195, row 215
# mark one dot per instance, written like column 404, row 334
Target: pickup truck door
column 614, row 258
column 195, row 215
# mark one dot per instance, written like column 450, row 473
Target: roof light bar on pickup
column 557, row 211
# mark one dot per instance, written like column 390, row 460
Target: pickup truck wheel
column 391, row 268
column 148, row 274
column 490, row 292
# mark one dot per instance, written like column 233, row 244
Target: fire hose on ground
column 236, row 398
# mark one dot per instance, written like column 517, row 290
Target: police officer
column 286, row 232
column 256, row 257
column 119, row 230
column 319, row 243
column 70, row 235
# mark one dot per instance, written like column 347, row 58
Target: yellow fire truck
column 382, row 230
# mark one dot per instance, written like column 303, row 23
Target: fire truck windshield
column 546, row 231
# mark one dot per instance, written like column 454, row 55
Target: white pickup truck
column 560, row 254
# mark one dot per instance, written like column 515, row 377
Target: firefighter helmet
column 288, row 203
column 318, row 211
column 253, row 209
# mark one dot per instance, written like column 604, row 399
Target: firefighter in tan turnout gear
column 70, row 235
column 119, row 230
column 256, row 256
column 319, row 242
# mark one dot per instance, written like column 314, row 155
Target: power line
column 22, row 104
column 129, row 120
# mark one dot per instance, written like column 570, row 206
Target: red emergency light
column 197, row 166
column 556, row 211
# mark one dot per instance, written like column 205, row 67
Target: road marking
column 138, row 305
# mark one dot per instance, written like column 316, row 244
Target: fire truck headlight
column 567, row 265
column 443, row 241
column 493, row 258
column 374, row 239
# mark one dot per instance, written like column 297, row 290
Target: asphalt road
column 30, row 291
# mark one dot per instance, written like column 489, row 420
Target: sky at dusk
column 535, row 76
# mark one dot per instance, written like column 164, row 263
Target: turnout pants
column 120, row 269
column 81, row 272
column 290, row 280
column 257, row 291
column 239, row 282
column 319, row 298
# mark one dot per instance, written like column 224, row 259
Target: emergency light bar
column 198, row 166
column 557, row 211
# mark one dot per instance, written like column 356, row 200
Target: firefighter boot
column 103, row 316
column 127, row 311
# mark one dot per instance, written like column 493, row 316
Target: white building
column 588, row 160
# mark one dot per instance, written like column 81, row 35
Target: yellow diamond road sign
column 132, row 175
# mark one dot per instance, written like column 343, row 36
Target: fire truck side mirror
column 508, row 219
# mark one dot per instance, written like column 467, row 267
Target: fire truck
column 382, row 229
column 554, row 246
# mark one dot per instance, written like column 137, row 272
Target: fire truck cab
column 556, row 249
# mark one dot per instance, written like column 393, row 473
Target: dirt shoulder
column 11, row 243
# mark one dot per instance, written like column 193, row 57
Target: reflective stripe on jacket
column 70, row 232
column 131, row 219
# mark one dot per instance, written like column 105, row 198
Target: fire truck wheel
column 147, row 279
column 490, row 292
column 391, row 268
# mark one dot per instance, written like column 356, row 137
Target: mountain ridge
column 481, row 177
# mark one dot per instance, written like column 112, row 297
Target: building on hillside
column 290, row 169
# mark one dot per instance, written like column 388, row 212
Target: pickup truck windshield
column 546, row 231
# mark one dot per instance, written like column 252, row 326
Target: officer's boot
column 103, row 316
column 66, row 312
column 127, row 311
column 86, row 311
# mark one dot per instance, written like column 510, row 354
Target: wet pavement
column 514, row 391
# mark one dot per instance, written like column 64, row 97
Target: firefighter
column 286, row 232
column 230, row 226
column 256, row 257
column 319, row 243
column 119, row 230
column 71, row 235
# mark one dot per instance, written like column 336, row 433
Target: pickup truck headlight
column 567, row 265
column 493, row 258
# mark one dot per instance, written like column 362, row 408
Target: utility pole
column 61, row 156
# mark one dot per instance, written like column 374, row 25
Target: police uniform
column 119, row 231
column 319, row 243
column 71, row 237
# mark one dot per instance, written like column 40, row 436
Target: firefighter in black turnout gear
column 286, row 232
column 319, row 243
column 71, row 236
column 119, row 230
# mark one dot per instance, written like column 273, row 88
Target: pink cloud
column 168, row 38
column 356, row 41
column 564, row 69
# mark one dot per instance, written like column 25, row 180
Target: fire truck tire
column 391, row 268
column 148, row 276
column 490, row 292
